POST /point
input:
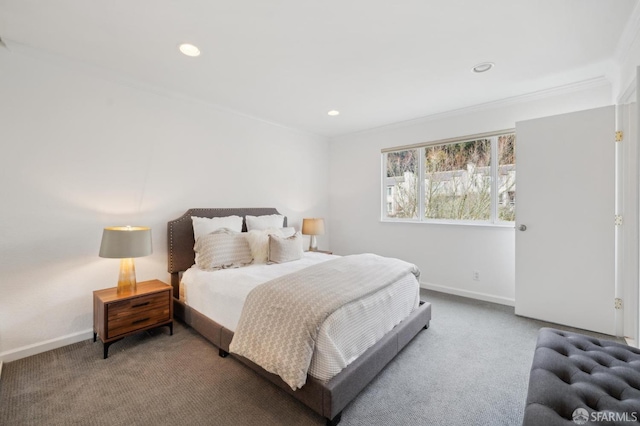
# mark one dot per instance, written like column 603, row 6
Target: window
column 464, row 180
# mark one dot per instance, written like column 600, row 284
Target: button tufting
column 611, row 382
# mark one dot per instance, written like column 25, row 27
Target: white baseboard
column 631, row 342
column 470, row 294
column 45, row 346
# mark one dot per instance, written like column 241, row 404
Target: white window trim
column 493, row 220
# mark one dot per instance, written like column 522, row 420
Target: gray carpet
column 470, row 367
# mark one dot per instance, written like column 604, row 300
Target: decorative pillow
column 264, row 222
column 285, row 249
column 204, row 225
column 288, row 231
column 259, row 243
column 222, row 249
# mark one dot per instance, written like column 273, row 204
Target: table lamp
column 125, row 243
column 313, row 227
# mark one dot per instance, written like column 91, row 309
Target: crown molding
column 629, row 95
column 591, row 83
column 128, row 81
column 122, row 79
column 629, row 35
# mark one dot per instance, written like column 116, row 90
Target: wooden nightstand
column 117, row 316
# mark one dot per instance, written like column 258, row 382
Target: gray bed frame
column 327, row 399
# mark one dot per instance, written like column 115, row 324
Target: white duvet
column 345, row 334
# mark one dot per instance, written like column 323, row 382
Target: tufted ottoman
column 577, row 379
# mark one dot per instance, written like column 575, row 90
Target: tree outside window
column 401, row 184
column 461, row 181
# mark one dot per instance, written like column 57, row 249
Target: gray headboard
column 180, row 236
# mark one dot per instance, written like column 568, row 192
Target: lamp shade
column 122, row 242
column 313, row 226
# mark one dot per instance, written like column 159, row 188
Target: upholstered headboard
column 180, row 236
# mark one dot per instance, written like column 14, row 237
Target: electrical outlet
column 476, row 275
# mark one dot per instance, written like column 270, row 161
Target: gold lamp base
column 127, row 277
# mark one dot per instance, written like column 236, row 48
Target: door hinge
column 618, row 303
column 617, row 220
column 619, row 136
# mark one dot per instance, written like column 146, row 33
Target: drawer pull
column 139, row 321
column 140, row 304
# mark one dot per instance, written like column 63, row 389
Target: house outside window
column 466, row 180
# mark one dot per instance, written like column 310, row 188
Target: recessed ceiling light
column 333, row 112
column 189, row 49
column 483, row 67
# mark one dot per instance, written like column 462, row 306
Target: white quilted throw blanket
column 280, row 318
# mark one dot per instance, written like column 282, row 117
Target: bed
column 326, row 397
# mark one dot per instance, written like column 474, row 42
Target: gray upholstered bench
column 578, row 379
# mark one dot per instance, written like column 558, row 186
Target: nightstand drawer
column 137, row 313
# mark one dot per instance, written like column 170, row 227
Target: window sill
column 505, row 225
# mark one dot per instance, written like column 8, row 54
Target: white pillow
column 285, row 249
column 264, row 222
column 288, row 231
column 204, row 225
column 222, row 249
column 259, row 243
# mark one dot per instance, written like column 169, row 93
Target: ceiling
column 291, row 61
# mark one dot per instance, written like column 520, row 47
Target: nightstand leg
column 171, row 329
column 105, row 349
column 95, row 335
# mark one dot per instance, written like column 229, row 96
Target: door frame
column 627, row 205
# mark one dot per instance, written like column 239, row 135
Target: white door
column 565, row 199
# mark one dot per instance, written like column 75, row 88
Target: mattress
column 345, row 334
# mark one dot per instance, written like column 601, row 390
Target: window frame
column 494, row 218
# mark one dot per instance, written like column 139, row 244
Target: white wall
column 447, row 255
column 80, row 152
